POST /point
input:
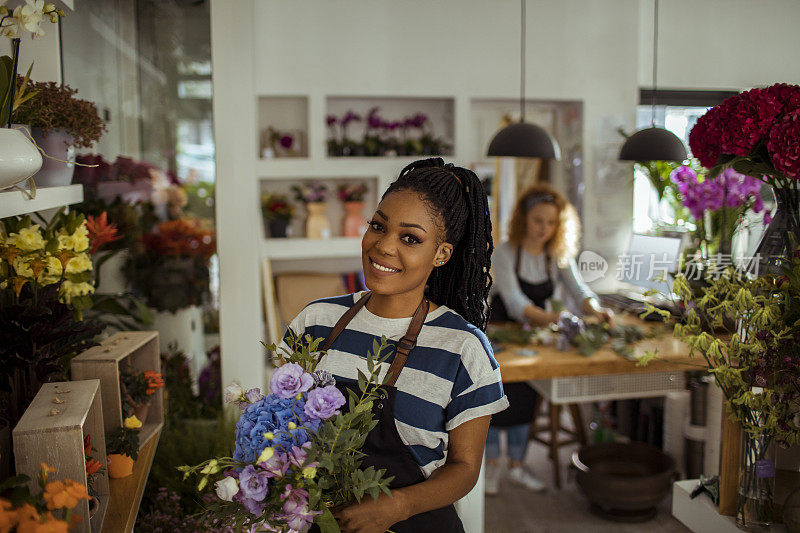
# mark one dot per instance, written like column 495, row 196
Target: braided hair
column 456, row 196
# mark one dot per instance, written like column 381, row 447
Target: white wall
column 721, row 44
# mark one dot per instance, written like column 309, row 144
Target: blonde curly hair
column 563, row 246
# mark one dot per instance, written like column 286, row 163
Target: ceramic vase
column 58, row 145
column 354, row 223
column 19, row 158
column 277, row 228
column 317, row 224
column 184, row 329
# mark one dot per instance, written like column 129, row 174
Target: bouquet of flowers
column 296, row 454
column 170, row 267
column 276, row 207
column 308, row 193
column 351, row 193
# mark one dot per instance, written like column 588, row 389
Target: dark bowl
column 624, row 482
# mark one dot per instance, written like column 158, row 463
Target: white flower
column 227, row 488
column 234, row 393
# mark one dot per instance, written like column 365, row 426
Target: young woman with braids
column 535, row 264
column 426, row 258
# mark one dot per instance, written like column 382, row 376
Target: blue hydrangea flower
column 271, row 415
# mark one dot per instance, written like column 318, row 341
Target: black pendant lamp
column 523, row 139
column 653, row 144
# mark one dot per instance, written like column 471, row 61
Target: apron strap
column 407, row 343
column 404, row 346
column 344, row 320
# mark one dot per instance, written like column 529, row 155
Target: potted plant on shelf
column 136, row 389
column 17, row 151
column 277, row 213
column 169, row 268
column 313, row 196
column 59, row 123
column 352, row 196
column 122, row 448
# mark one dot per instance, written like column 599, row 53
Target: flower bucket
column 185, row 329
column 119, row 466
column 58, row 145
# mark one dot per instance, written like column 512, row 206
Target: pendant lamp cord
column 655, row 64
column 522, row 62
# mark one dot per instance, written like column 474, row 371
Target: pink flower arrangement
column 760, row 125
column 728, row 189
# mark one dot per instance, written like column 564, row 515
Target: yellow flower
column 53, row 267
column 266, row 454
column 77, row 242
column 22, row 266
column 70, row 290
column 80, row 263
column 132, row 422
column 269, row 435
column 309, row 472
column 28, row 239
column 291, row 425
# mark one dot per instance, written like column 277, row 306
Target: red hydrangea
column 784, row 145
column 740, row 123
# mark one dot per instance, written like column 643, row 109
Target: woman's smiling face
column 402, row 245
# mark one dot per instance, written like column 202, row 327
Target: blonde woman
column 536, row 262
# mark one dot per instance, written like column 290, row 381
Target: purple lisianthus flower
column 276, row 466
column 295, row 508
column 299, row 454
column 253, row 395
column 253, row 483
column 324, row 402
column 255, row 507
column 289, row 380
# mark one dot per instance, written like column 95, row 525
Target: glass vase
column 754, row 510
column 783, row 233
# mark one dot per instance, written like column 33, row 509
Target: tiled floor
column 518, row 510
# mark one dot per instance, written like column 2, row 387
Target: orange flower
column 65, row 256
column 64, row 494
column 50, row 525
column 46, row 469
column 18, row 284
column 92, row 466
column 8, row 516
column 87, row 445
column 37, row 265
column 100, row 231
column 27, row 518
column 10, row 253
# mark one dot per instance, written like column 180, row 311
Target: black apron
column 521, row 396
column 384, row 448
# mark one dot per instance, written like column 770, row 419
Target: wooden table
column 549, row 362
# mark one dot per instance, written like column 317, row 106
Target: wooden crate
column 140, row 350
column 51, row 431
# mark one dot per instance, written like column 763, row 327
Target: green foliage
column 595, row 336
column 747, row 330
column 183, row 404
column 123, row 441
column 509, row 335
column 39, row 335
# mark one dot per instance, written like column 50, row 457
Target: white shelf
column 15, row 202
column 290, row 249
column 700, row 514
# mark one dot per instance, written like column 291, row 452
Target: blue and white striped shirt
column 450, row 377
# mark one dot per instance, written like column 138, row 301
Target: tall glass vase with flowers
column 745, row 328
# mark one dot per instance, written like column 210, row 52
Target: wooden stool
column 553, row 427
